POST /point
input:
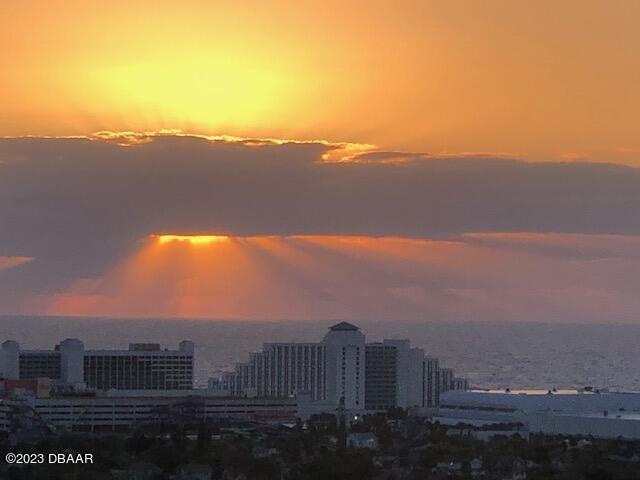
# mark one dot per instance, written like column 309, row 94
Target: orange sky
column 489, row 276
column 536, row 80
column 449, row 108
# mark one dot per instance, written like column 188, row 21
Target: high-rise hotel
column 281, row 370
column 342, row 372
column 144, row 366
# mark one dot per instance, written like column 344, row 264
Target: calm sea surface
column 499, row 355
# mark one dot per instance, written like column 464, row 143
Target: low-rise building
column 103, row 413
column 562, row 412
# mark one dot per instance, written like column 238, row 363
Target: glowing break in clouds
column 310, row 238
column 480, row 276
column 335, row 152
column 191, row 239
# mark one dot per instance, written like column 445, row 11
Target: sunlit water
column 489, row 354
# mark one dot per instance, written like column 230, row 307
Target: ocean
column 490, row 355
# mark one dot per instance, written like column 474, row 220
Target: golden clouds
column 422, row 76
column 192, row 239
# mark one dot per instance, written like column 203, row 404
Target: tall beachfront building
column 445, row 381
column 381, row 378
column 345, row 365
column 394, row 375
column 144, row 366
column 431, row 382
column 341, row 372
column 280, row 370
column 332, row 371
column 283, row 369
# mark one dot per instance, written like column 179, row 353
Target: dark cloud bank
column 76, row 205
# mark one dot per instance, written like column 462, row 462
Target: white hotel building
column 342, row 372
column 282, row 369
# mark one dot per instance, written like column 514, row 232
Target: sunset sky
column 415, row 160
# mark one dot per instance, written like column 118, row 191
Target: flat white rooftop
column 508, row 391
column 529, row 401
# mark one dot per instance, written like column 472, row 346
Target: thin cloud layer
column 80, row 206
column 10, row 262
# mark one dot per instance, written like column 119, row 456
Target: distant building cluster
column 342, row 372
column 71, row 387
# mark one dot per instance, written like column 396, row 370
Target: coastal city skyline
column 74, row 389
column 302, row 240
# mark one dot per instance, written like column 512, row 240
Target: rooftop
column 554, row 391
column 344, row 326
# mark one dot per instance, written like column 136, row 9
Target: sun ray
column 192, row 239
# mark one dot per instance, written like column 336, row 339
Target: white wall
column 345, row 349
column 600, row 427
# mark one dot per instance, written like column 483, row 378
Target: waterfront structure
column 330, row 371
column 227, row 385
column 341, row 372
column 106, row 413
column 553, row 412
column 394, row 375
column 283, row 369
column 460, row 384
column 92, row 413
column 141, row 367
column 345, row 366
column 415, row 386
column 598, row 425
column 430, row 382
column 445, row 379
column 381, row 364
